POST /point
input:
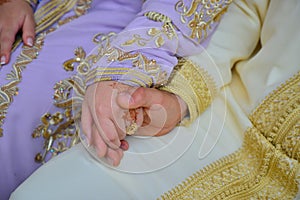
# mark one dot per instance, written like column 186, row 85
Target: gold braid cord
column 267, row 165
column 194, row 85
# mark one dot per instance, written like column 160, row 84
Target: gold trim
column 264, row 168
column 278, row 118
column 159, row 36
column 194, row 85
column 59, row 130
column 147, row 71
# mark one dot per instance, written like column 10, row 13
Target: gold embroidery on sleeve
column 155, row 34
column 200, row 15
column 9, row 90
column 58, row 130
column 194, row 85
column 148, row 70
column 267, row 166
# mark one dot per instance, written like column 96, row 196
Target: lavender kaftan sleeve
column 145, row 52
column 28, row 81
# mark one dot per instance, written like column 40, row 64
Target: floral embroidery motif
column 200, row 15
column 267, row 166
column 158, row 36
column 146, row 73
column 59, row 129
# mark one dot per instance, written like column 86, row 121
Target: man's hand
column 162, row 111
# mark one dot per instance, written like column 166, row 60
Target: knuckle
column 6, row 39
column 139, row 94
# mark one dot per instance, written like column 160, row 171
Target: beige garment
column 254, row 50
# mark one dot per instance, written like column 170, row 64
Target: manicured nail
column 29, row 41
column 3, row 60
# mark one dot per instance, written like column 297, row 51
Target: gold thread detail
column 200, row 15
column 147, row 70
column 159, row 36
column 265, row 167
column 194, row 85
column 59, row 129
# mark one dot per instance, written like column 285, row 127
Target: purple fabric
column 17, row 147
column 166, row 55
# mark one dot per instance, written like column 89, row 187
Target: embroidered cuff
column 193, row 85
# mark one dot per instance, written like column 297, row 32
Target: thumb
column 139, row 97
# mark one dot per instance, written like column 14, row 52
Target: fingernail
column 29, row 41
column 3, row 60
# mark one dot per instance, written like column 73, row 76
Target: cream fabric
column 255, row 49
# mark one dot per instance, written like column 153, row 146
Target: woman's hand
column 103, row 120
column 15, row 15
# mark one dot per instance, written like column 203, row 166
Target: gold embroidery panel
column 267, row 166
column 194, row 85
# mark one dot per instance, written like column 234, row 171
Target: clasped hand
column 110, row 107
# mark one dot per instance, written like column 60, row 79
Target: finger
column 86, row 121
column 118, row 118
column 108, row 132
column 156, row 117
column 140, row 97
column 7, row 38
column 121, row 129
column 103, row 123
column 114, row 156
column 28, row 30
column 98, row 143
